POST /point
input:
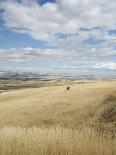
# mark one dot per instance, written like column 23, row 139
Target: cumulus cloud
column 63, row 17
column 78, row 28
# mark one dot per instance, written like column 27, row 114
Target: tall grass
column 54, row 141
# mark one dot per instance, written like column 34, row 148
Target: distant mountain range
column 9, row 75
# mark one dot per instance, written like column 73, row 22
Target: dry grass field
column 54, row 121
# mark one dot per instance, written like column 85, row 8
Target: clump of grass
column 110, row 98
column 105, row 120
column 54, row 141
column 108, row 114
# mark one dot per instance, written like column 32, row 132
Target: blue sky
column 57, row 37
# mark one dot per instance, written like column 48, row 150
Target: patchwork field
column 53, row 121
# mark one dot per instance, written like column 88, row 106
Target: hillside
column 54, row 105
column 53, row 121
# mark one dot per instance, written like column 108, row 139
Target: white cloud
column 52, row 60
column 65, row 16
column 106, row 65
column 29, row 54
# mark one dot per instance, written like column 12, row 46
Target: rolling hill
column 52, row 120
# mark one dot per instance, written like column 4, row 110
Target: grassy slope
column 53, row 105
column 58, row 114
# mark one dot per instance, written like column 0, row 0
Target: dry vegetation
column 53, row 121
column 54, row 141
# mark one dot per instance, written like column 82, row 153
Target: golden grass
column 54, row 141
column 57, row 115
column 53, row 105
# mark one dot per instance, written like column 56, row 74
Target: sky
column 58, row 36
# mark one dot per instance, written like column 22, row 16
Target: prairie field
column 50, row 120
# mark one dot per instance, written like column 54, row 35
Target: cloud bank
column 78, row 28
column 51, row 59
column 63, row 22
